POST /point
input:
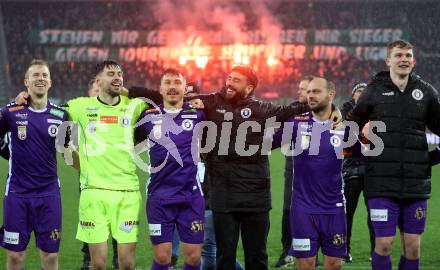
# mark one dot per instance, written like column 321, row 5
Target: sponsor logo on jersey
column 155, row 229
column 92, row 109
column 52, row 130
column 157, row 131
column 388, row 94
column 246, row 113
column 302, row 117
column 57, row 112
column 417, row 94
column 152, row 110
column 305, row 141
column 92, row 115
column 22, row 123
column 91, row 127
column 379, row 214
column 301, row 244
column 55, row 235
column 190, row 110
column 87, row 224
column 14, row 109
column 197, row 226
column 21, row 132
column 187, row 124
column 127, row 226
column 189, row 116
column 108, row 119
column 21, row 115
column 11, row 238
column 54, row 121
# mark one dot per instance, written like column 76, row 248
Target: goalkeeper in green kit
column 110, row 198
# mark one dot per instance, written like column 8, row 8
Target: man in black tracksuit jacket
column 397, row 181
column 240, row 181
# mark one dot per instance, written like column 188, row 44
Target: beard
column 322, row 106
column 234, row 98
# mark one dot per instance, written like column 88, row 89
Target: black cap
column 356, row 86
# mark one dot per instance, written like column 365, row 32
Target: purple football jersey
column 173, row 156
column 32, row 161
column 318, row 155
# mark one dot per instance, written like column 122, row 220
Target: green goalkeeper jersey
column 106, row 141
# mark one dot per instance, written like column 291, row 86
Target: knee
column 305, row 264
column 163, row 257
column 384, row 246
column 49, row 258
column 333, row 264
column 126, row 263
column 98, row 263
column 15, row 258
column 412, row 251
column 192, row 258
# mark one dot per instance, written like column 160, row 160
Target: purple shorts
column 188, row 217
column 21, row 216
column 386, row 214
column 310, row 231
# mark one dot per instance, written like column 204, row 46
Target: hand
column 336, row 117
column 366, row 130
column 22, row 98
column 124, row 91
column 197, row 103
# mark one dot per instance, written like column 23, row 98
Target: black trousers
column 286, row 236
column 352, row 190
column 254, row 229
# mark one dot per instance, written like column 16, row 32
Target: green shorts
column 104, row 212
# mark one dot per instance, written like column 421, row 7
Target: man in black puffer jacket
column 398, row 180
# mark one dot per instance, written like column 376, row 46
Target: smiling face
column 110, row 80
column 172, row 88
column 401, row 61
column 38, row 80
column 237, row 86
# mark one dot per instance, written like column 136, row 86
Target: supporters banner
column 131, row 46
column 350, row 37
column 226, row 52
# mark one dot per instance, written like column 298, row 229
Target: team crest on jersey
column 22, row 132
column 338, row 240
column 52, row 130
column 55, row 235
column 125, row 121
column 420, row 213
column 246, row 113
column 305, row 141
column 187, row 124
column 417, row 94
column 335, row 141
column 197, row 226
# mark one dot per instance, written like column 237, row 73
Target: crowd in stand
column 276, row 81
